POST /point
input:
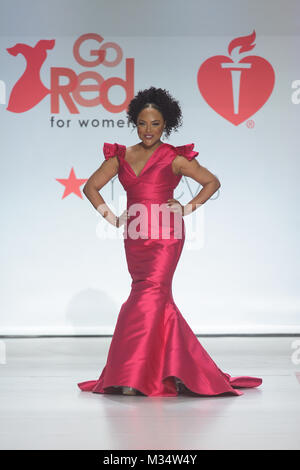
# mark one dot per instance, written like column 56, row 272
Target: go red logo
column 236, row 87
column 29, row 89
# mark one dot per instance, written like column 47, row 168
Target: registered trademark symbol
column 250, row 123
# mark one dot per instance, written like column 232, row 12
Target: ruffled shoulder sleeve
column 112, row 150
column 186, row 151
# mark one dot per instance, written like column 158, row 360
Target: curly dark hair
column 161, row 100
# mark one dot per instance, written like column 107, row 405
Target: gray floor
column 41, row 406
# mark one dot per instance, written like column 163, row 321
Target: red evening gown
column 153, row 349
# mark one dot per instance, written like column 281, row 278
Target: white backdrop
column 59, row 274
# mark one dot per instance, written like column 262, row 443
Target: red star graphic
column 71, row 184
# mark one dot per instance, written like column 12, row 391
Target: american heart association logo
column 236, row 87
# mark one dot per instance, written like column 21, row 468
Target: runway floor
column 41, row 406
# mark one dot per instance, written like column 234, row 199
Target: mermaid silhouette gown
column 153, row 349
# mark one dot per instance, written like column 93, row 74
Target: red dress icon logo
column 29, row 90
column 236, row 87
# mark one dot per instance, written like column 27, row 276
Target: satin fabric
column 153, row 349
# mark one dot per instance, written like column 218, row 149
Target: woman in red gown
column 153, row 351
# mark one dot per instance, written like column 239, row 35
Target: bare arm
column 107, row 170
column 200, row 174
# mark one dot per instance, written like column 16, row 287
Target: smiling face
column 150, row 126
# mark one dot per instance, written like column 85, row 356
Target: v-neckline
column 146, row 164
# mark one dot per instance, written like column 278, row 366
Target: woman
column 153, row 350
